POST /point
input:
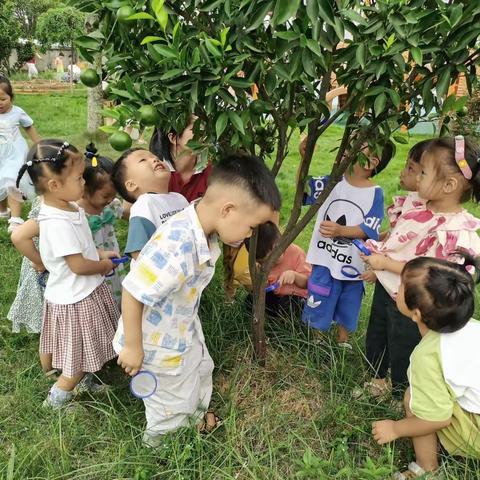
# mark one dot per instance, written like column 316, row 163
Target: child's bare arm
column 385, row 431
column 80, row 265
column 134, row 255
column 22, row 238
column 126, row 209
column 131, row 357
column 378, row 261
column 290, row 277
column 33, row 134
column 331, row 230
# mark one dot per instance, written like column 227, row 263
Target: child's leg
column 46, row 362
column 15, row 206
column 426, row 446
column 67, row 384
column 62, row 391
column 348, row 308
column 377, row 334
column 403, row 337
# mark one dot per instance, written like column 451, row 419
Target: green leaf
column 380, row 103
column 150, row 39
column 456, row 15
column 313, row 11
column 162, row 17
column 376, row 90
column 221, row 124
column 314, row 47
column 259, row 15
column 400, row 139
column 236, row 122
column 212, row 48
column 165, row 51
column 141, row 16
column 108, row 128
column 308, row 64
column 284, row 10
column 443, row 81
column 209, row 6
column 360, row 54
column 223, row 36
column 395, row 97
column 390, row 41
column 287, row 35
column 354, row 17
column 417, row 55
column 174, row 72
column 11, row 465
column 449, row 104
column 461, row 103
column 88, row 42
column 326, row 12
column 339, row 29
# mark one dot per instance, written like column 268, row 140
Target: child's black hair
column 443, row 291
column 388, row 151
column 6, row 86
column 416, row 152
column 96, row 169
column 446, row 161
column 51, row 154
column 268, row 235
column 250, row 174
column 160, row 145
column 118, row 175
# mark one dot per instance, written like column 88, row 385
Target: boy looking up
column 142, row 179
column 160, row 330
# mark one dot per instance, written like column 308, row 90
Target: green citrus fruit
column 124, row 12
column 120, row 141
column 149, row 115
column 90, row 78
column 462, row 112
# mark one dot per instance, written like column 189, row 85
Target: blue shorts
column 331, row 300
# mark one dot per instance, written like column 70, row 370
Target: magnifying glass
column 143, row 384
column 272, row 287
column 350, row 272
column 361, row 247
column 118, row 261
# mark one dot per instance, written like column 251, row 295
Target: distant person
column 59, row 65
column 32, row 67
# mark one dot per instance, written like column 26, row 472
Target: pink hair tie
column 460, row 157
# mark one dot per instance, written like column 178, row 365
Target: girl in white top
column 80, row 314
column 13, row 150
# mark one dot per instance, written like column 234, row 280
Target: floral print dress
column 103, row 232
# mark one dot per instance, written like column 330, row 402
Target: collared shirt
column 197, row 185
column 169, row 277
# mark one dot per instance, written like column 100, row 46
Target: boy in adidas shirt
column 353, row 210
column 142, row 179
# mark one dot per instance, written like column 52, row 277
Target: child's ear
column 226, row 209
column 52, row 185
column 417, row 316
column 172, row 138
column 451, row 184
column 373, row 163
column 131, row 186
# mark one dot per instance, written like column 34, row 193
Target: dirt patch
column 36, row 87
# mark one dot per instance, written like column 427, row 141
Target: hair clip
column 94, row 161
column 59, row 154
column 29, row 163
column 460, row 157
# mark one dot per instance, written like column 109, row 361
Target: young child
column 353, row 210
column 13, row 150
column 443, row 401
column 291, row 272
column 450, row 175
column 160, row 330
column 102, row 209
column 80, row 314
column 142, row 179
column 26, row 311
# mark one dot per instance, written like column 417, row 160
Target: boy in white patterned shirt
column 160, row 330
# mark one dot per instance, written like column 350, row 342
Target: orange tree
column 204, row 56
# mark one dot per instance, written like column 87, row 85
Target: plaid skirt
column 79, row 335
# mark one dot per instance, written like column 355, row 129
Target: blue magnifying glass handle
column 361, row 247
column 272, row 287
column 118, row 261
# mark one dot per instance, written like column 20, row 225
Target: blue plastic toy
column 361, row 247
column 272, row 287
column 118, row 261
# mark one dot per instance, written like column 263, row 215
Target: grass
column 294, row 419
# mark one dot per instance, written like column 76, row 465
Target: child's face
column 429, row 186
column 237, row 220
column 145, row 172
column 409, row 174
column 70, row 186
column 103, row 196
column 373, row 161
column 5, row 102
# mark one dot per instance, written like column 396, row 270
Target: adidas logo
column 312, row 303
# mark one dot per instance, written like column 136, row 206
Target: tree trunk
column 258, row 319
column 95, row 94
column 71, row 66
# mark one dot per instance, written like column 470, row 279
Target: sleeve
column 24, row 120
column 430, row 398
column 395, row 210
column 159, row 271
column 315, row 187
column 140, row 230
column 61, row 237
column 117, row 207
column 373, row 219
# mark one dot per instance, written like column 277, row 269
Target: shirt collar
column 199, row 166
column 48, row 212
column 208, row 249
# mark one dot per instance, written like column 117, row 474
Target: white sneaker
column 57, row 398
column 88, row 385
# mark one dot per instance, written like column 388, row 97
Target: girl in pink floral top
column 450, row 176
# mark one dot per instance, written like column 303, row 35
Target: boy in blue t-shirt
column 353, row 210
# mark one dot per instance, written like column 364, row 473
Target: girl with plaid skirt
column 80, row 314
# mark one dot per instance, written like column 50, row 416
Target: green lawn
column 293, row 419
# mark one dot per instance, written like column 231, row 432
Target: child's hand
column 107, row 266
column 384, row 431
column 131, row 359
column 38, row 267
column 107, row 254
column 287, row 278
column 330, row 229
column 375, row 260
column 369, row 276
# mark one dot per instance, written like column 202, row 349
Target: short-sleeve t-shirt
column 193, row 189
column 11, row 122
column 149, row 211
column 349, row 206
column 65, row 233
